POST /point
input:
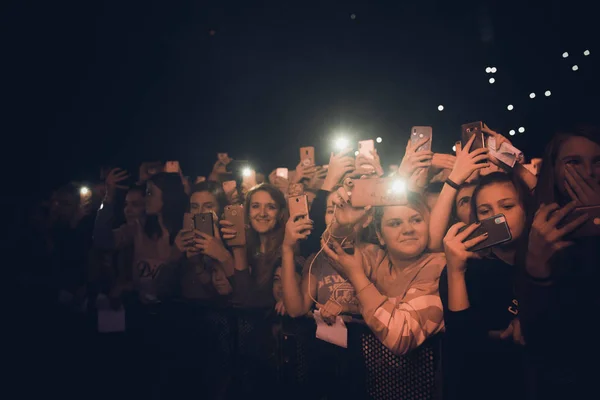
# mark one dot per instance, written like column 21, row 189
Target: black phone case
column 468, row 130
column 204, row 223
column 498, row 231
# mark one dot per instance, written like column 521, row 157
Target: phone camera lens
column 234, row 213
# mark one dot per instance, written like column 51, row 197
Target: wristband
column 452, row 184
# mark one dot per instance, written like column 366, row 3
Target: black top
column 475, row 365
column 312, row 244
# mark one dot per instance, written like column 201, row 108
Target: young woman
column 191, row 276
column 266, row 214
column 153, row 237
column 562, row 266
column 320, row 280
column 478, row 293
column 396, row 282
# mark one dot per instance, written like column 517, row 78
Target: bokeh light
column 440, row 108
column 565, row 54
column 494, row 70
column 379, row 140
column 512, row 132
column 547, row 93
column 510, row 107
column 521, row 130
column 575, row 67
column 492, row 80
column 586, row 53
column 532, row 95
column 488, row 70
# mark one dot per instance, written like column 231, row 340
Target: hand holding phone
column 495, row 229
column 420, row 134
column 172, row 167
column 307, row 156
column 473, row 129
column 204, row 223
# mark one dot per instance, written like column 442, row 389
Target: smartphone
column 591, row 227
column 153, row 168
column 188, row 222
column 200, row 179
column 366, row 148
column 298, row 205
column 282, row 173
column 249, row 178
column 204, row 223
column 418, row 133
column 376, row 192
column 235, row 215
column 172, row 167
column 470, row 129
column 307, row 156
column 497, row 229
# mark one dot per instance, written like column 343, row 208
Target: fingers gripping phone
column 204, row 223
column 172, row 167
column 188, row 222
column 235, row 215
column 589, row 228
column 419, row 133
column 376, row 192
column 470, row 129
column 298, row 205
column 307, row 156
column 497, row 229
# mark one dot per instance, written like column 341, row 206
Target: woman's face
column 329, row 211
column 154, row 199
column 404, row 232
column 263, row 212
column 220, row 282
column 502, row 198
column 135, row 207
column 463, row 203
column 204, row 202
column 580, row 153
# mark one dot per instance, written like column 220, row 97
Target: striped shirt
column 409, row 309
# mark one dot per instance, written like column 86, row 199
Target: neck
column 399, row 262
column 506, row 254
column 161, row 221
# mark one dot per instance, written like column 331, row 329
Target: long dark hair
column 175, row 203
column 215, row 189
column 273, row 253
column 546, row 190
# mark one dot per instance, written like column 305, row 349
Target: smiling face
column 502, row 198
column 581, row 154
column 263, row 212
column 404, row 232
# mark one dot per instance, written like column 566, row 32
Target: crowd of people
column 126, row 252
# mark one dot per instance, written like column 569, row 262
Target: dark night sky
column 97, row 81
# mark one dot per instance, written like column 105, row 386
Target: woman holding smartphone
column 561, row 263
column 483, row 354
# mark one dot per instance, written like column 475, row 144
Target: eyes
column 395, row 223
column 463, row 201
column 487, row 210
column 269, row 206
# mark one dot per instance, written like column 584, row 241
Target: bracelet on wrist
column 452, row 184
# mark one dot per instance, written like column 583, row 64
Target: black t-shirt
column 477, row 366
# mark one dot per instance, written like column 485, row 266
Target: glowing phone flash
column 398, row 186
column 84, row 191
column 341, row 143
column 246, row 172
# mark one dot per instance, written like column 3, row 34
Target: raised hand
column 582, row 189
column 113, row 180
column 545, row 238
column 304, row 172
column 414, row 159
column 368, row 166
column 340, row 164
column 456, row 246
column 298, row 227
column 468, row 162
column 349, row 265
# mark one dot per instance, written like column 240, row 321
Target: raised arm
column 296, row 296
column 466, row 163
